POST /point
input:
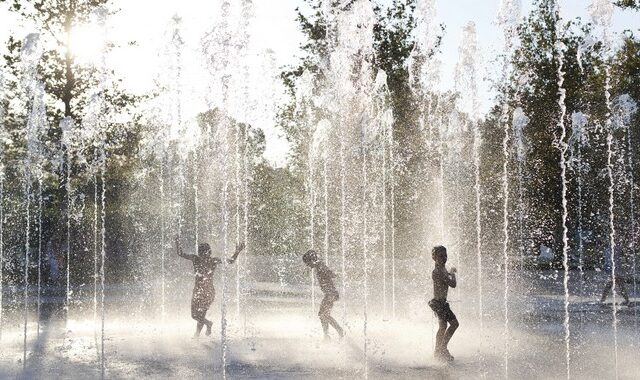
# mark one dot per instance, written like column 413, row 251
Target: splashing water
column 67, row 129
column 563, row 147
column 578, row 139
column 508, row 18
column 103, row 253
column 520, row 121
column 31, row 53
column 466, row 83
column 2, row 174
column 625, row 108
column 304, row 95
column 601, row 14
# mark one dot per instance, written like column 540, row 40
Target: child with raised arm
column 325, row 279
column 442, row 280
column 203, row 292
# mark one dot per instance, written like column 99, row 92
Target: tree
column 393, row 45
column 534, row 87
column 631, row 4
column 69, row 87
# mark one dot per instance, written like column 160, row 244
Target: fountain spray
column 466, row 80
column 31, row 53
column 578, row 139
column 508, row 16
column 628, row 107
column 2, row 167
column 563, row 147
column 601, row 14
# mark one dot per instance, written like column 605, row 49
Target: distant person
column 325, row 279
column 55, row 260
column 54, row 282
column 203, row 291
column 619, row 274
column 442, row 280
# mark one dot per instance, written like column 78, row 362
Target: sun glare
column 87, row 43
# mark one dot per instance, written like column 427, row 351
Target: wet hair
column 203, row 249
column 439, row 252
column 310, row 258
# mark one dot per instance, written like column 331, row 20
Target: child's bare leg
column 622, row 289
column 199, row 316
column 324, row 314
column 453, row 326
column 208, row 323
column 605, row 291
column 442, row 329
column 198, row 328
column 325, row 326
column 336, row 326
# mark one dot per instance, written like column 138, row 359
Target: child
column 442, row 280
column 619, row 274
column 325, row 279
column 203, row 291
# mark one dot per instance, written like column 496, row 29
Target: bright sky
column 274, row 28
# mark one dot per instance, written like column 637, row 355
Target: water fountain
column 602, row 13
column 624, row 108
column 168, row 159
column 67, row 147
column 2, row 177
column 304, row 95
column 508, row 18
column 226, row 78
column 424, row 74
column 31, row 54
column 95, row 129
column 333, row 98
column 563, row 148
column 392, row 184
column 466, row 84
column 386, row 130
column 579, row 139
column 103, row 253
column 520, row 121
column 319, row 157
column 629, row 108
column 203, row 175
column 241, row 157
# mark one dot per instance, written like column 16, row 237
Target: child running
column 325, row 279
column 203, row 292
column 619, row 273
column 442, row 280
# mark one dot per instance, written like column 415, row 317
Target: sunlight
column 87, row 43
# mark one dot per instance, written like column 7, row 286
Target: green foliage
column 393, row 45
column 69, row 85
column 632, row 4
column 534, row 87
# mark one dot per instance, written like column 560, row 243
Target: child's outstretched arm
column 233, row 258
column 182, row 254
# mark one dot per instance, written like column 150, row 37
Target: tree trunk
column 67, row 95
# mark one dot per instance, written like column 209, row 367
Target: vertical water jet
column 508, row 16
column 578, row 139
column 601, row 14
column 563, row 147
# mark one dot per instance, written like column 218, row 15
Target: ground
column 283, row 340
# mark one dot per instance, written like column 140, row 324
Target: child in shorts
column 442, row 280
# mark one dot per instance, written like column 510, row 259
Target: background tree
column 69, row 85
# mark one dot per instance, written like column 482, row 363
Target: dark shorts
column 201, row 300
column 327, row 303
column 442, row 310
